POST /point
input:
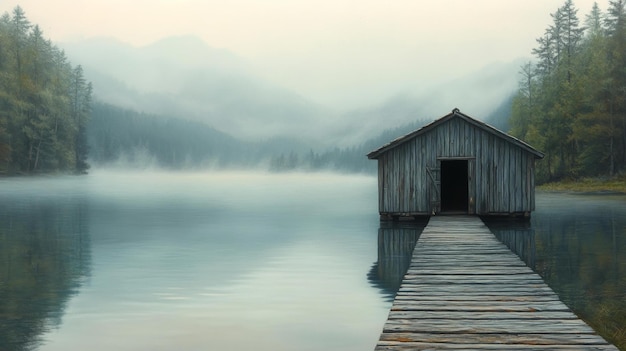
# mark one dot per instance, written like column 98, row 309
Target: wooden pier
column 466, row 290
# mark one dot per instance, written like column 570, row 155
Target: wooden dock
column 466, row 290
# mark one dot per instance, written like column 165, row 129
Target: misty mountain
column 485, row 94
column 126, row 138
column 183, row 77
column 501, row 115
column 121, row 137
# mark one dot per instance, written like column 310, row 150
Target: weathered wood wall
column 503, row 173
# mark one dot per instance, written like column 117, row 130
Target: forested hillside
column 571, row 102
column 124, row 138
column 48, row 123
column 44, row 102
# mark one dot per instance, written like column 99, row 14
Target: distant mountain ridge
column 183, row 77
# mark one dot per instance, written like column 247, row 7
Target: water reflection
column 518, row 235
column 190, row 262
column 44, row 259
column 577, row 243
column 396, row 241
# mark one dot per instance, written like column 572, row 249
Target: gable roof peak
column 455, row 113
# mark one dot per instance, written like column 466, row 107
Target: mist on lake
column 238, row 260
column 161, row 261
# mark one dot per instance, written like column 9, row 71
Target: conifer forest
column 571, row 102
column 571, row 105
column 44, row 102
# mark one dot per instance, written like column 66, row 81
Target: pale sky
column 322, row 49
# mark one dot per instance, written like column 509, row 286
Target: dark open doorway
column 454, row 186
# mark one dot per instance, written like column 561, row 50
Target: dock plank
column 465, row 290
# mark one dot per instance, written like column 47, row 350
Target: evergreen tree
column 579, row 101
column 616, row 27
column 42, row 115
column 524, row 104
column 572, row 35
column 593, row 21
column 80, row 98
column 545, row 54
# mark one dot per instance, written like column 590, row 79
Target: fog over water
column 238, row 261
column 200, row 261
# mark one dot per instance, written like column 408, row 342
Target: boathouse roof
column 454, row 114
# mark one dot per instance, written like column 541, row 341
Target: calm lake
column 240, row 261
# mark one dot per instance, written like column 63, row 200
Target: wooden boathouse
column 456, row 164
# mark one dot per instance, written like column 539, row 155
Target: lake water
column 240, row 261
column 577, row 243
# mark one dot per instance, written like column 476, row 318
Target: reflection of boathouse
column 456, row 164
column 396, row 242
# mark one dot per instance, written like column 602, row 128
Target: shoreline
column 587, row 186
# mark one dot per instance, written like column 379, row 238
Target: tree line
column 571, row 102
column 49, row 123
column 44, row 102
column 120, row 137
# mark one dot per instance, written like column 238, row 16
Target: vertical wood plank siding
column 502, row 179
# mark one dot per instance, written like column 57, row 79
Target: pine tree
column 545, row 54
column 615, row 23
column 524, row 103
column 80, row 102
column 42, row 115
column 593, row 21
column 572, row 35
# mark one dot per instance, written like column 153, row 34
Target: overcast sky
column 327, row 50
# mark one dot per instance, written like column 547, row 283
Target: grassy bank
column 586, row 185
